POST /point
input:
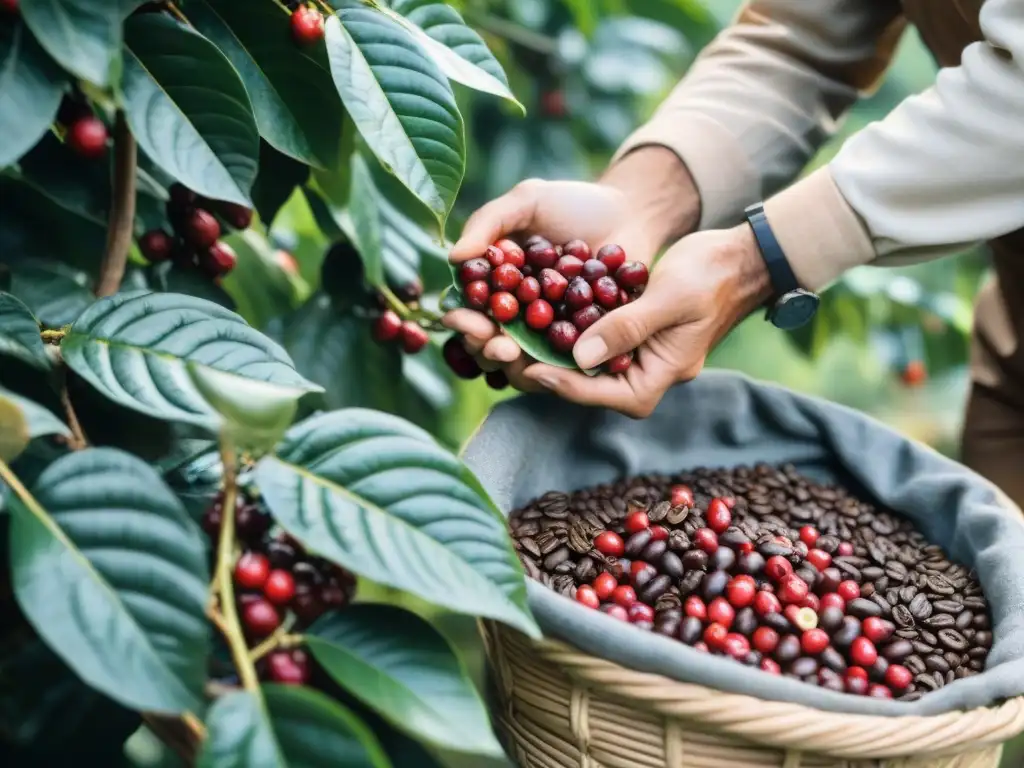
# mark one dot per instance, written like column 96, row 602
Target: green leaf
column 31, row 87
column 188, row 108
column 378, row 496
column 365, row 231
column 398, row 664
column 297, row 109
column 239, row 735
column 56, row 294
column 313, row 730
column 22, row 420
column 19, row 334
column 259, row 287
column 112, row 574
column 401, row 103
column 276, row 181
column 170, row 278
column 77, row 184
column 460, row 52
column 180, row 358
column 84, row 36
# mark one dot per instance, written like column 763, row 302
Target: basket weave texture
column 557, row 707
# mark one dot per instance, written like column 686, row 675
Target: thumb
column 509, row 213
column 624, row 329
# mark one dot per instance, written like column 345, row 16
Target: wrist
column 660, row 194
column 752, row 283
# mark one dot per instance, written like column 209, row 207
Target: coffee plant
column 205, row 456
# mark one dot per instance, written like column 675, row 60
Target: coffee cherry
column 809, row 535
column 721, row 612
column 506, row 277
column 504, row 307
column 201, row 228
column 624, row 595
column 777, row 567
column 514, row 255
column 681, row 496
column 741, row 591
column 252, row 570
column 715, row 635
column 706, row 539
column 863, row 652
column 814, row 641
column 636, row 521
column 898, row 677
column 770, row 666
column 877, row 630
column 879, row 692
column 387, row 327
column 569, row 267
column 587, row 596
column 606, row 291
column 718, row 516
column 914, row 373
column 609, row 543
column 812, row 601
column 87, row 137
column 845, row 549
column 496, row 379
column 659, row 533
column 736, row 646
column 260, row 617
column 765, row 603
column 288, row 667
column 528, row 290
column 541, row 256
column 238, row 216
column 619, row 363
column 552, row 285
column 632, row 275
column 156, row 245
column 462, row 363
column 562, row 336
column 616, row 612
column 593, row 270
column 410, row 291
column 802, row 618
column 217, row 260
column 695, row 607
column 641, row 612
column 414, row 338
column 579, row 294
column 280, row 587
column 765, row 639
column 9, row 6
column 819, row 558
column 577, row 249
column 586, row 317
column 539, row 315
column 848, row 590
column 477, row 294
column 473, row 270
column 831, row 600
column 495, row 256
column 612, row 256
column 604, row 584
column 792, row 589
column 307, row 25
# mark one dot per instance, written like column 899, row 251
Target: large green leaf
column 398, row 664
column 313, row 730
column 55, row 293
column 276, row 181
column 19, row 334
column 112, row 574
column 364, row 211
column 260, row 288
column 239, row 735
column 181, row 358
column 31, row 88
column 401, row 103
column 84, row 36
column 297, row 109
column 188, row 108
column 380, row 497
column 458, row 49
column 21, row 420
column 77, row 184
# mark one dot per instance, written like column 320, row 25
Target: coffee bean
column 902, row 617
column 672, row 565
column 644, row 577
column 915, row 664
column 529, row 544
column 695, row 560
column 734, row 538
column 655, row 589
column 963, row 621
column 896, row 650
column 678, row 541
column 690, row 630
column 937, row 664
column 653, row 551
column 952, row 640
column 804, row 666
column 922, row 648
column 920, row 607
column 833, row 659
column 847, row 633
column 751, row 563
column 949, row 606
column 862, row 608
column 585, row 571
column 896, row 571
column 939, row 621
column 690, row 583
column 983, row 639
column 723, row 559
column 635, row 544
column 907, row 593
column 778, row 622
column 872, row 573
column 714, row 585
column 940, row 585
column 788, row 649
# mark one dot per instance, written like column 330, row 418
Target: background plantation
column 361, row 155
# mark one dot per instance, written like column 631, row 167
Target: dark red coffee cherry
column 552, row 285
column 539, row 315
column 514, row 255
column 280, row 587
column 741, row 591
column 251, row 523
column 619, row 364
column 631, row 275
column 593, row 270
column 624, row 595
column 681, row 496
column 777, row 567
column 586, row 317
column 863, row 652
column 156, row 245
column 606, row 290
column 252, row 570
column 809, row 535
column 288, row 667
column 612, row 256
column 260, row 618
column 494, row 255
column 201, row 228
column 387, row 327
column 706, row 539
column 307, row 25
column 541, row 256
column 579, row 294
column 410, row 291
column 462, row 363
column 533, row 240
column 473, row 270
column 505, row 277
column 414, row 338
column 528, row 290
column 569, row 267
column 577, row 249
column 87, row 137
column 819, row 559
column 217, row 260
column 496, row 379
column 562, row 335
column 238, row 216
column 792, row 589
column 477, row 294
column 814, row 641
column 504, row 307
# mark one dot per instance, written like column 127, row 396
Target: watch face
column 794, row 309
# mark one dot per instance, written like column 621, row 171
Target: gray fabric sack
column 538, row 443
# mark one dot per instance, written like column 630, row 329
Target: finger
column 502, row 349
column 625, row 329
column 516, row 374
column 509, row 213
column 635, row 394
column 474, row 326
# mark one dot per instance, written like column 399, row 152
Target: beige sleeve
column 767, row 92
column 942, row 170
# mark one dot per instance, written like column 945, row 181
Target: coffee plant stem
column 49, row 337
column 122, row 209
column 176, row 12
column 512, row 32
column 329, row 11
column 183, row 735
column 400, row 308
column 225, row 588
column 280, row 639
column 78, row 439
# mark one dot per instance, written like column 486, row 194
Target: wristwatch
column 791, row 306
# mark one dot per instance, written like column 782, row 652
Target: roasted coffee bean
column 952, row 607
column 529, row 544
column 939, row 621
column 644, row 577
column 928, row 637
column 981, row 621
column 714, row 585
column 564, row 584
column 902, row 617
column 920, row 647
column 723, row 559
column 882, row 603
column 585, row 571
column 862, row 608
column 849, row 570
column 963, row 621
column 908, row 593
column 940, row 585
column 690, row 630
column 896, row 650
column 668, row 623
column 655, row 589
column 530, row 566
column 915, row 664
column 772, row 548
column 635, row 544
column 872, row 573
column 952, row 640
column 695, row 560
column 828, row 544
column 831, row 619
column 920, row 607
column 896, row 571
column 830, row 579
column 690, row 582
column 983, row 639
column 659, row 511
column 672, row 565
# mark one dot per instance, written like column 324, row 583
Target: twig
column 280, row 639
column 394, row 303
column 217, row 619
column 120, row 225
column 182, row 734
column 176, row 12
column 512, row 32
column 78, row 440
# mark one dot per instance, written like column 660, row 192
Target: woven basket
column 557, row 706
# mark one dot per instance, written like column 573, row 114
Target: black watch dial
column 794, row 309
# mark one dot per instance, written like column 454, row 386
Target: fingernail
column 590, row 352
column 547, row 382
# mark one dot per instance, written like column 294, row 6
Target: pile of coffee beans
column 770, row 568
column 277, row 581
column 558, row 290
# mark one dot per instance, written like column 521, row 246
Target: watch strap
column 781, row 273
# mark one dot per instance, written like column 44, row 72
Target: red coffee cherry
column 898, row 677
column 462, row 363
column 494, row 255
column 792, row 589
column 201, row 228
column 863, row 652
column 387, row 327
column 506, row 277
column 579, row 294
column 586, row 317
column 681, row 496
column 238, row 216
column 809, row 535
column 219, row 259
column 659, row 533
column 695, row 607
column 569, row 267
column 604, row 584
column 706, row 539
column 765, row 639
column 641, row 612
column 477, row 293
column 715, row 635
column 777, row 567
column 741, row 591
column 877, row 630
column 632, row 275
column 562, row 336
column 528, row 290
column 879, row 692
column 819, row 558
column 636, row 521
column 588, row 597
column 307, row 25
column 848, row 590
column 606, row 291
column 260, row 618
column 473, row 270
column 156, row 245
column 288, row 667
column 577, row 249
column 845, row 549
column 736, row 646
column 609, row 543
column 280, row 587
column 814, row 641
column 496, row 379
column 612, row 256
column 811, row 601
column 593, row 270
column 514, row 255
column 720, row 612
column 9, row 6
column 718, row 516
column 87, row 137
column 414, row 338
column 856, row 686
column 832, row 600
column 252, row 570
column 541, row 256
column 539, row 315
column 616, row 612
column 765, row 603
column 771, row 667
column 624, row 595
column 619, row 363
column 552, row 285
column 504, row 307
